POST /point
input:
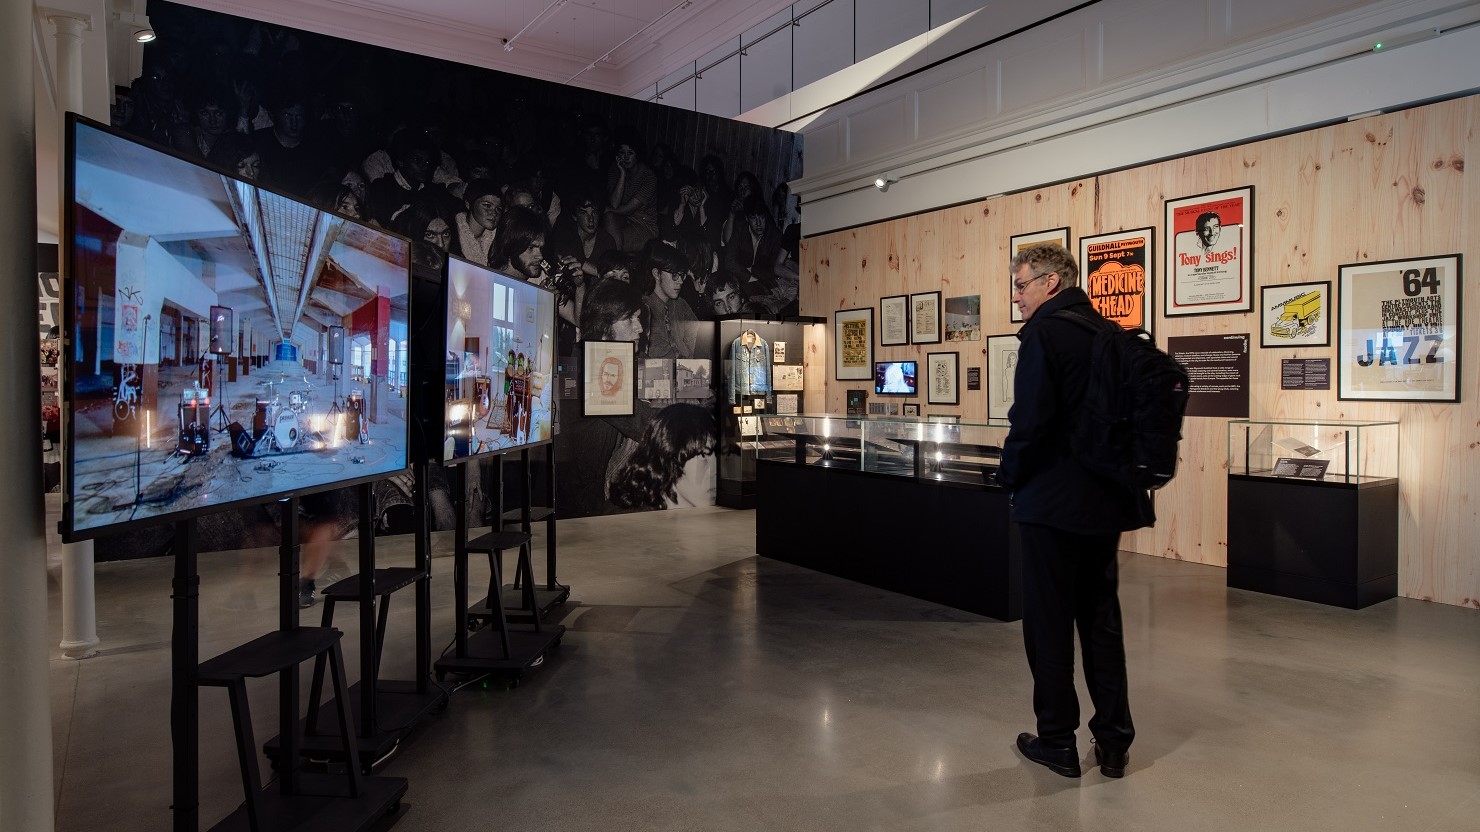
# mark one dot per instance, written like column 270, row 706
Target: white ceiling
column 633, row 43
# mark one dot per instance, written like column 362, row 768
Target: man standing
column 1070, row 523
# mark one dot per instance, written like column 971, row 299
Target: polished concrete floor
column 703, row 688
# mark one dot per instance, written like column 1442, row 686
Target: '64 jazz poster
column 1400, row 330
column 1210, row 264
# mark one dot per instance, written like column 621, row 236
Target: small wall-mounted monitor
column 154, row 239
column 895, row 378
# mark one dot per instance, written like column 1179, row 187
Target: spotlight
column 884, row 181
column 145, row 36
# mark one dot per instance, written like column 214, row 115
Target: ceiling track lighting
column 884, row 180
column 145, row 36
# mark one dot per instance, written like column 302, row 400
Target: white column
column 79, row 602
column 25, row 703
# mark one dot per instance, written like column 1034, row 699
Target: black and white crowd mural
column 646, row 221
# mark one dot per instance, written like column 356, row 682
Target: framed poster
column 964, row 318
column 1117, row 275
column 894, row 320
column 1210, row 253
column 943, row 378
column 853, row 344
column 1399, row 330
column 608, row 382
column 1295, row 315
column 1018, row 242
column 925, row 318
column 1002, row 354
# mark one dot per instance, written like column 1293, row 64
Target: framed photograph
column 1210, row 253
column 912, row 408
column 943, row 377
column 964, row 318
column 1116, row 273
column 853, row 344
column 608, row 378
column 692, row 378
column 894, row 320
column 1018, row 242
column 925, row 321
column 1399, row 330
column 1002, row 354
column 1295, row 315
column 655, row 379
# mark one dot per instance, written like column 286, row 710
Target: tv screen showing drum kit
column 200, row 368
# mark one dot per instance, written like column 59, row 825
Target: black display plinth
column 1332, row 543
column 944, row 542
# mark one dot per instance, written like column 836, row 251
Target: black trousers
column 1070, row 581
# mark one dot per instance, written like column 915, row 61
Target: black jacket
column 1049, row 486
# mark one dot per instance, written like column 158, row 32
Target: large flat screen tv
column 197, row 318
column 500, row 363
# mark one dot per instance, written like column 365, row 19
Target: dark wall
column 348, row 126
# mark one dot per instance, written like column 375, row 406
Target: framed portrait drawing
column 912, row 408
column 1002, row 354
column 608, row 378
column 943, row 378
column 894, row 320
column 1018, row 242
column 1116, row 272
column 853, row 344
column 925, row 320
column 1398, row 330
column 1210, row 253
column 1295, row 315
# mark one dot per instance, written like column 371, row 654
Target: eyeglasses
column 1019, row 288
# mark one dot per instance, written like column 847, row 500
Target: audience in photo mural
column 637, row 240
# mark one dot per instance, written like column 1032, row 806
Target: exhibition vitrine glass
column 903, row 446
column 1320, row 451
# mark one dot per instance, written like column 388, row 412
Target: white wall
column 1119, row 83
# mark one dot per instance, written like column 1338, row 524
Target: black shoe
column 306, row 597
column 1112, row 763
column 1062, row 761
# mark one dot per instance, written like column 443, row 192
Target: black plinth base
column 327, row 809
column 398, row 707
column 1330, row 543
column 485, row 653
column 544, row 601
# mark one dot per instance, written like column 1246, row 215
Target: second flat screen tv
column 895, row 378
column 500, row 389
column 197, row 353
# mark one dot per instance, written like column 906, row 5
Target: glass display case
column 900, row 446
column 761, row 372
column 1332, row 452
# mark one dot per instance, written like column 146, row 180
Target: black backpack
column 1134, row 400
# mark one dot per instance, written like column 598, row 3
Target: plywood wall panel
column 1380, row 188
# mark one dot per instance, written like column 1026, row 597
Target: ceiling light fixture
column 884, row 180
column 145, row 36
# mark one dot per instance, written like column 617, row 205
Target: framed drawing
column 912, row 408
column 1295, row 315
column 853, row 344
column 608, row 378
column 1399, row 330
column 943, row 377
column 894, row 320
column 787, row 403
column 1117, row 275
column 1018, row 242
column 787, row 376
column 925, row 318
column 1002, row 353
column 1210, row 253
